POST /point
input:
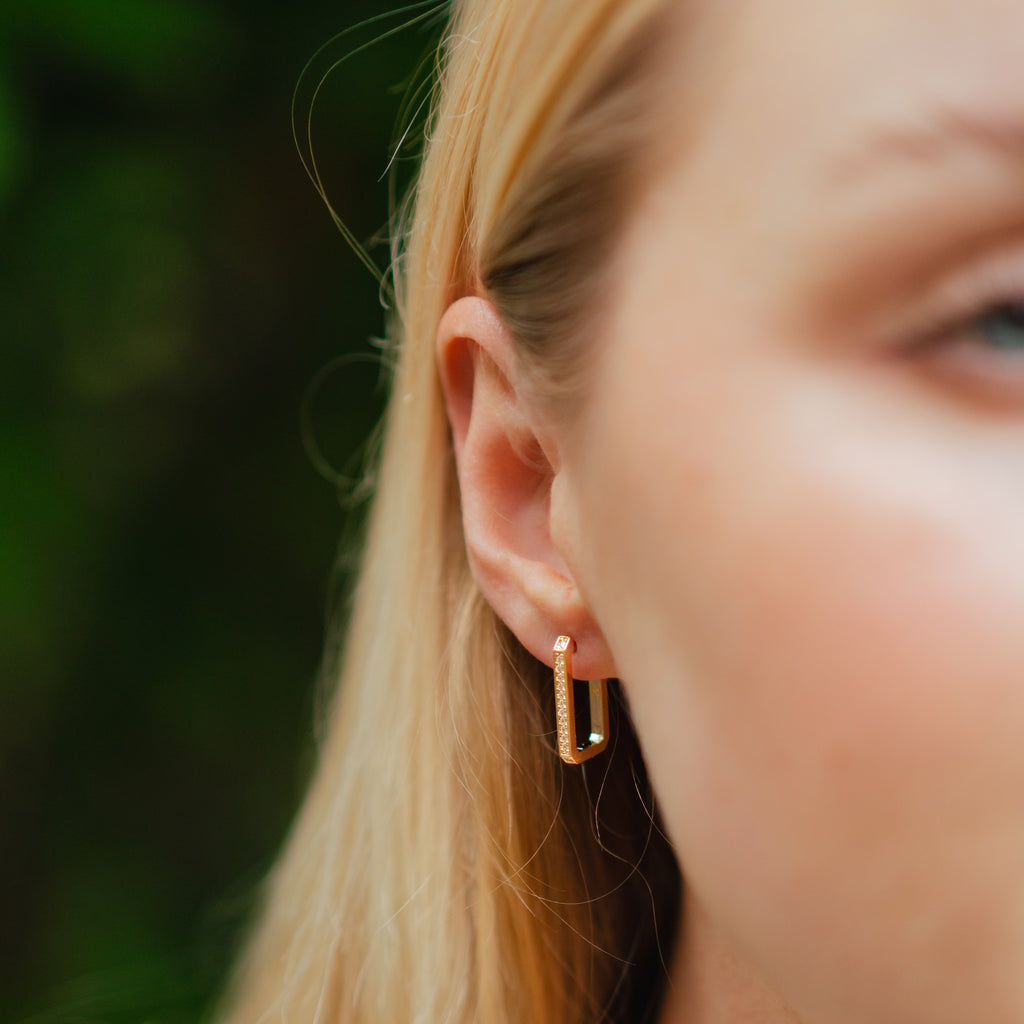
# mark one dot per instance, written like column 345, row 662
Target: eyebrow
column 945, row 131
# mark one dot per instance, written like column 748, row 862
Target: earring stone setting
column 569, row 748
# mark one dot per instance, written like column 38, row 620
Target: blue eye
column 1003, row 327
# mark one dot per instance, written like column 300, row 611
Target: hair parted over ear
column 506, row 462
column 446, row 865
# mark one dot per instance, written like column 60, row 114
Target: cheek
column 818, row 611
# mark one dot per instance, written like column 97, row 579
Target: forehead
column 833, row 88
column 793, row 130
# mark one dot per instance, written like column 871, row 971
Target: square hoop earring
column 565, row 708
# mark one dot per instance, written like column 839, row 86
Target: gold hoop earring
column 565, row 708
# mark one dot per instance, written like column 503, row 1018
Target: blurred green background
column 170, row 288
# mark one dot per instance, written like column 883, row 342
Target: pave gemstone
column 561, row 661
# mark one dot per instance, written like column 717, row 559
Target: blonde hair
column 446, row 867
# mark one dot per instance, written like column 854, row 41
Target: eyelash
column 952, row 344
column 968, row 303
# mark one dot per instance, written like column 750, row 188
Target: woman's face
column 796, row 493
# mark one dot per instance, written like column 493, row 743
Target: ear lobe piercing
column 569, row 748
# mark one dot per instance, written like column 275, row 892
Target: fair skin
column 789, row 515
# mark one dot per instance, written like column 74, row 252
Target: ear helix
column 569, row 748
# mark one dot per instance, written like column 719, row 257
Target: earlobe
column 506, row 469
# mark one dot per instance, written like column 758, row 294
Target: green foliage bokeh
column 170, row 286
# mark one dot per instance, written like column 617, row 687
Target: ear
column 506, row 465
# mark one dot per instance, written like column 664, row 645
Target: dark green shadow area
column 170, row 286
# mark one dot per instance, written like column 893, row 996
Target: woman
column 710, row 362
